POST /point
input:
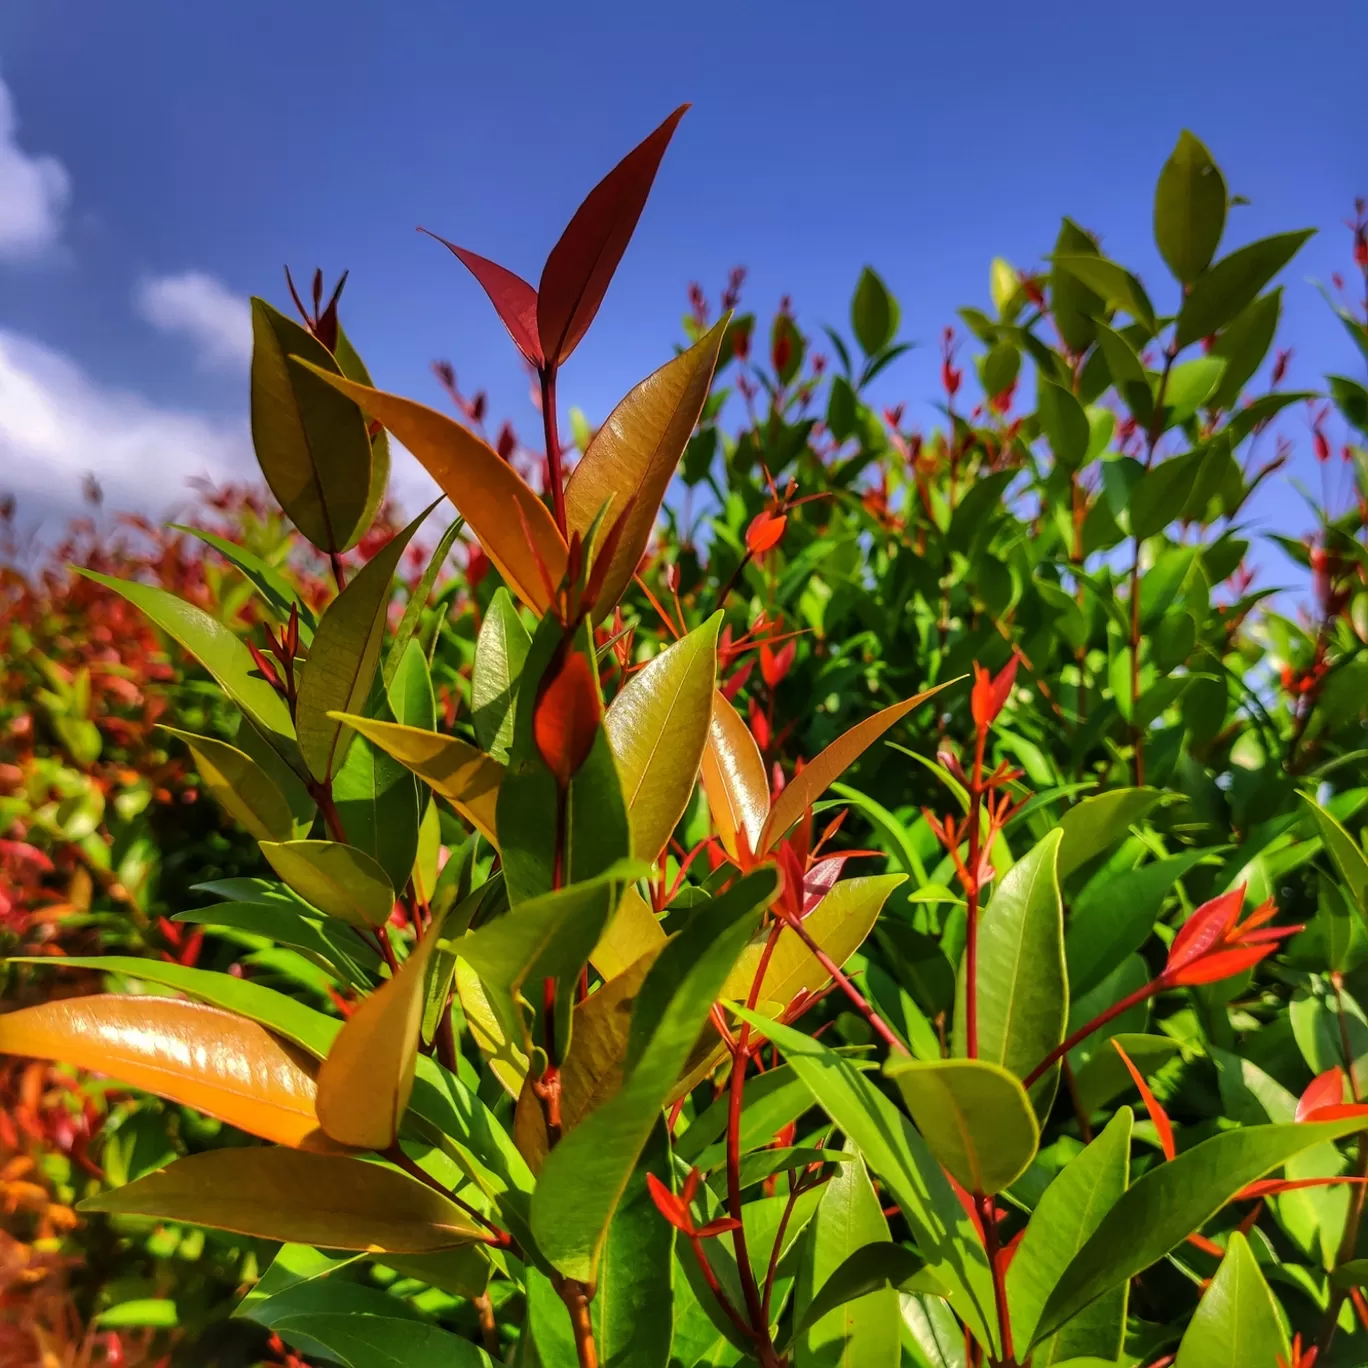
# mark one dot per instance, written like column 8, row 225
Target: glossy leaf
column 581, row 265
column 658, row 726
column 1229, row 286
column 815, row 777
column 220, row 651
column 282, row 1015
column 338, row 879
column 900, row 1158
column 199, row 1056
column 418, row 600
column 632, row 458
column 1346, row 853
column 500, row 651
column 1168, row 1203
column 1063, row 422
column 240, row 787
column 367, row 1341
column 857, row 1331
column 633, row 931
column 1095, row 824
column 410, row 694
column 311, row 442
column 488, row 493
column 1236, row 1324
column 585, row 1176
column 345, row 654
column 1066, row 1216
column 974, row 1116
column 1189, row 209
column 467, row 778
column 366, row 1081
column 734, row 780
column 1023, row 993
column 327, row 1200
column 869, row 1268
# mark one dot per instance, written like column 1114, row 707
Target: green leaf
column 240, row 786
column 311, row 442
column 1066, row 1216
column 1189, row 209
column 1115, row 285
column 275, row 1193
column 418, row 598
column 869, row 1269
column 1190, row 385
column 500, row 651
column 1226, row 289
column 657, row 727
column 1170, row 1202
column 1114, row 916
column 1236, row 1324
column 366, row 1341
column 1075, row 306
column 1064, row 422
column 344, row 656
column 273, row 587
column 1352, row 399
column 1243, row 343
column 143, row 1313
column 901, row 1159
column 1128, row 374
column 586, row 1175
column 546, row 937
column 341, row 880
column 325, row 941
column 1023, row 994
column 220, row 651
column 974, row 1115
column 1095, row 824
column 873, row 313
column 1104, row 1077
column 856, row 1323
column 410, row 693
column 1345, row 852
column 311, row 1030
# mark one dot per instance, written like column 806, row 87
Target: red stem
column 988, row 1220
column 554, row 474
column 1141, row 994
column 971, row 898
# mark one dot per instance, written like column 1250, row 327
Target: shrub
column 602, row 1055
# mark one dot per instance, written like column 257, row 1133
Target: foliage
column 570, row 1035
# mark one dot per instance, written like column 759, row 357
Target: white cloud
column 201, row 307
column 58, row 425
column 34, row 191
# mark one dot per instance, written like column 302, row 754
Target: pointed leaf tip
column 582, row 263
column 514, row 300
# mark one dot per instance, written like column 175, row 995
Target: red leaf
column 669, row 1206
column 581, row 264
column 1207, row 925
column 567, row 716
column 1223, row 964
column 1157, row 1114
column 514, row 300
column 991, row 692
column 765, row 532
column 1325, row 1090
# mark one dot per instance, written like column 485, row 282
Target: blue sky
column 160, row 161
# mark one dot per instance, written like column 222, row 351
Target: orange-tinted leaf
column 765, row 532
column 1156, row 1112
column 635, row 453
column 1325, row 1090
column 582, row 263
column 367, row 1078
column 488, row 493
column 991, row 692
column 466, row 777
column 566, row 716
column 330, row 1201
column 1223, row 964
column 813, row 779
column 202, row 1057
column 733, row 776
column 514, row 300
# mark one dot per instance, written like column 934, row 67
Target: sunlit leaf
column 1189, row 209
column 500, row 651
column 338, row 879
column 240, row 786
column 201, row 1057
column 1236, row 1324
column 733, row 777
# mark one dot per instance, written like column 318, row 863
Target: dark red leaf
column 567, row 715
column 581, row 264
column 514, row 300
